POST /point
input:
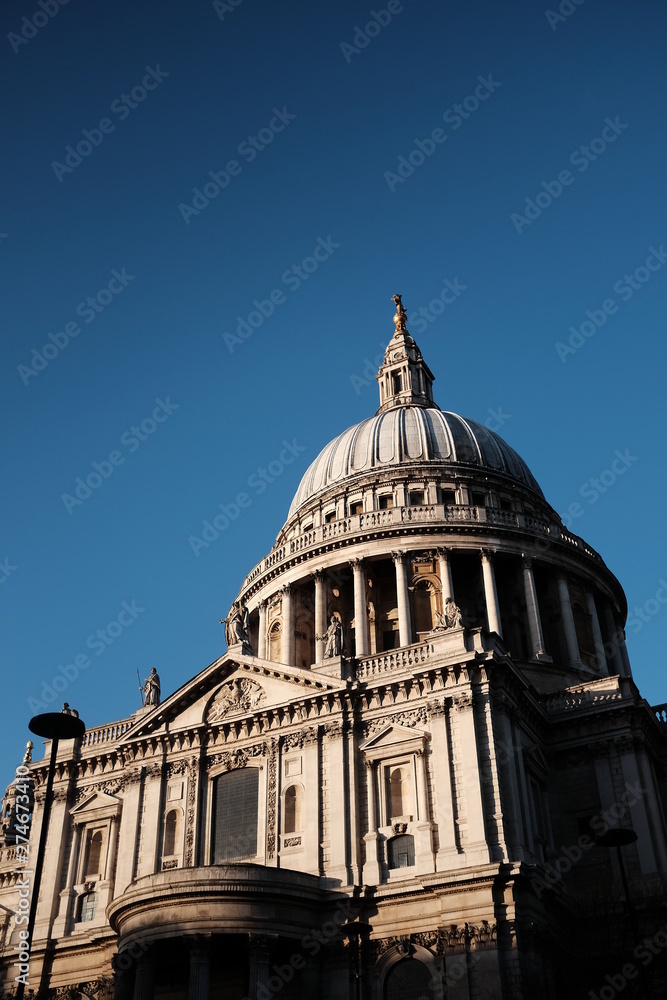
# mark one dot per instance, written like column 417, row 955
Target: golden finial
column 400, row 316
column 27, row 756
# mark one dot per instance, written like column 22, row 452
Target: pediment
column 394, row 736
column 95, row 806
column 232, row 687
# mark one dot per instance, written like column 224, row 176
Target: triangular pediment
column 393, row 735
column 97, row 802
column 233, row 687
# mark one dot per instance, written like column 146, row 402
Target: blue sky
column 516, row 154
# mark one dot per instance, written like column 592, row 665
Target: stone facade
column 390, row 784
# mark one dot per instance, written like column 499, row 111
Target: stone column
column 371, row 872
column 144, row 978
column 320, row 614
column 422, row 788
column 445, row 575
column 260, row 957
column 261, row 635
column 287, row 648
column 403, row 597
column 568, row 623
column 111, row 850
column 122, row 981
column 491, row 594
column 360, row 616
column 597, row 634
column 200, row 967
column 612, row 638
column 74, row 856
column 534, row 622
column 624, row 652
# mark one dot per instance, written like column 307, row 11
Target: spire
column 404, row 377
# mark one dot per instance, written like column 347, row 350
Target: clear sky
column 167, row 169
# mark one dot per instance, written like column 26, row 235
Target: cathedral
column 421, row 769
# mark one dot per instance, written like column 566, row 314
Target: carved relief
column 272, row 787
column 190, row 815
column 233, row 759
column 238, row 696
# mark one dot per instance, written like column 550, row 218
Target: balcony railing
column 379, row 520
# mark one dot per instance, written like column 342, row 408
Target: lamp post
column 354, row 931
column 54, row 726
column 619, row 837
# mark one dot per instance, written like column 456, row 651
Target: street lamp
column 54, row 726
column 619, row 837
column 354, row 931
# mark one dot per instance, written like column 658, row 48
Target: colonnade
column 611, row 656
column 135, row 969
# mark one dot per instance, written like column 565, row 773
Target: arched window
column 88, row 906
column 401, row 851
column 275, row 641
column 293, row 809
column 400, row 791
column 236, row 796
column 424, row 603
column 171, row 832
column 408, row 980
column 94, row 863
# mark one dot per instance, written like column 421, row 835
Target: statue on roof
column 333, row 638
column 400, row 316
column 450, row 618
column 152, row 688
column 236, row 627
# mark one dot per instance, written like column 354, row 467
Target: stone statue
column 236, row 626
column 450, row 618
column 66, row 710
column 401, row 317
column 334, row 638
column 152, row 688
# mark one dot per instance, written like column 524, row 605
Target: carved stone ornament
column 238, row 696
column 399, row 827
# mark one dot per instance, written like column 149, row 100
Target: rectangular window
column 478, row 499
column 416, row 498
column 449, row 497
column 357, row 507
column 386, row 501
column 397, row 383
column 235, row 815
column 331, row 516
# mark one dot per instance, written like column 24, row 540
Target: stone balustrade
column 369, row 522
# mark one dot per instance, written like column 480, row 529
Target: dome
column 409, row 435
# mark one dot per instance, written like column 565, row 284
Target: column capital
column 443, row 550
column 488, row 553
column 263, row 605
column 318, row 575
column 356, row 563
column 527, row 560
column 399, row 555
column 286, row 590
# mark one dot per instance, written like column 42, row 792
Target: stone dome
column 409, row 435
